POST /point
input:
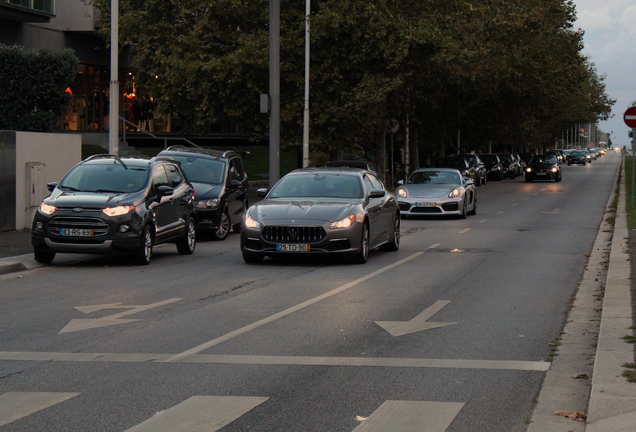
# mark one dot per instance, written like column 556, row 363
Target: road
column 451, row 333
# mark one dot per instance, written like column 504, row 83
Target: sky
column 610, row 43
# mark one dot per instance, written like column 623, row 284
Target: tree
column 34, row 83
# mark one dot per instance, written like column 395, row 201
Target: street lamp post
column 306, row 113
column 113, row 111
column 274, row 91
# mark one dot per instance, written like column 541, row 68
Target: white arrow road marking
column 553, row 212
column 15, row 405
column 200, row 414
column 88, row 323
column 290, row 310
column 411, row 416
column 419, row 323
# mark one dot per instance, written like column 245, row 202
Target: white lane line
column 289, row 311
column 433, row 246
column 514, row 205
column 500, row 212
column 464, row 231
column 540, row 366
column 200, row 414
column 411, row 416
column 15, row 405
column 483, row 220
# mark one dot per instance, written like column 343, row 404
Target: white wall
column 58, row 152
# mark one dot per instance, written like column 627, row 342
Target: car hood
column 430, row 191
column 300, row 211
column 88, row 199
column 206, row 190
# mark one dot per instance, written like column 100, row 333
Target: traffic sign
column 630, row 117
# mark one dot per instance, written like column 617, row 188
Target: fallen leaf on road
column 580, row 376
column 578, row 416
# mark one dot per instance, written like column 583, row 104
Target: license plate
column 290, row 247
column 72, row 232
column 426, row 204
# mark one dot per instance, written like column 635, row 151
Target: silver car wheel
column 223, row 230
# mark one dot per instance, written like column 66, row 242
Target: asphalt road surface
column 451, row 333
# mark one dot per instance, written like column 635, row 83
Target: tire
column 394, row 244
column 473, row 212
column 44, row 257
column 558, row 179
column 528, row 179
column 188, row 243
column 252, row 258
column 223, row 230
column 464, row 208
column 144, row 253
column 363, row 254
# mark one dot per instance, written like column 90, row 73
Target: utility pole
column 274, row 92
column 306, row 114
column 113, row 112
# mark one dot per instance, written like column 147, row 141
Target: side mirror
column 468, row 181
column 235, row 183
column 400, row 182
column 377, row 193
column 261, row 192
column 164, row 191
column 51, row 186
column 246, row 155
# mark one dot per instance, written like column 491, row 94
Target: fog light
column 39, row 226
column 124, row 228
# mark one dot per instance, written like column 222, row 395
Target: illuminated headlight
column 344, row 223
column 47, row 209
column 207, row 204
column 528, row 169
column 118, row 211
column 588, row 157
column 251, row 223
column 401, row 193
column 554, row 169
column 454, row 193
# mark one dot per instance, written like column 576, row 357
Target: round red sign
column 630, row 117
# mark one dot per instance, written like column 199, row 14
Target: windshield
column 434, row 177
column 202, row 170
column 312, row 185
column 549, row 159
column 490, row 159
column 105, row 178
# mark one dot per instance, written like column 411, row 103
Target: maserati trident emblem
column 293, row 234
column 78, row 209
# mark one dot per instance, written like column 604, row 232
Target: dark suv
column 112, row 205
column 221, row 185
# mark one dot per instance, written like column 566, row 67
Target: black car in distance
column 108, row 204
column 220, row 184
column 543, row 167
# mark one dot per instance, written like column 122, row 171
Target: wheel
column 569, row 163
column 528, row 179
column 474, row 210
column 464, row 208
column 223, row 230
column 188, row 242
column 251, row 258
column 144, row 253
column 483, row 180
column 363, row 254
column 394, row 244
column 558, row 179
column 44, row 257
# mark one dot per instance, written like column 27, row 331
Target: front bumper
column 104, row 234
column 427, row 207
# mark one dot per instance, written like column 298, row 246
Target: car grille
column 426, row 210
column 295, row 234
column 99, row 227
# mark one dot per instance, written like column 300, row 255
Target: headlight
column 344, row 223
column 118, row 211
column 454, row 193
column 401, row 193
column 47, row 209
column 554, row 169
column 211, row 203
column 251, row 223
column 528, row 169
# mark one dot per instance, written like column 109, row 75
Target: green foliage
column 501, row 71
column 33, row 93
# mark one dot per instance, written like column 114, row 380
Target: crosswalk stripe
column 15, row 405
column 411, row 416
column 200, row 414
